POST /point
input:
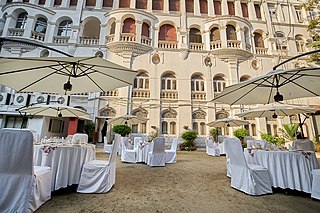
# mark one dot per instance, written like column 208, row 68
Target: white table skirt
column 221, row 148
column 65, row 161
column 287, row 169
column 143, row 152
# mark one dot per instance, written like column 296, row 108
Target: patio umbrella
column 275, row 86
column 227, row 122
column 55, row 111
column 127, row 119
column 63, row 74
column 275, row 110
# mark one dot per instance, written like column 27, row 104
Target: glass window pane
column 147, row 84
column 168, row 84
column 174, row 84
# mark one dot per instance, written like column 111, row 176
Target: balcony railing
column 215, row 45
column 198, row 95
column 233, row 44
column 196, row 46
column 168, row 44
column 169, row 94
column 141, row 93
column 261, row 51
column 15, row 32
column 146, row 40
column 128, row 37
column 89, row 41
column 37, row 36
column 109, row 38
column 112, row 93
column 61, row 39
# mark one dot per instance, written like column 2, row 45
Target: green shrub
column 272, row 139
column 214, row 133
column 123, row 130
column 189, row 137
column 240, row 133
column 316, row 145
column 89, row 128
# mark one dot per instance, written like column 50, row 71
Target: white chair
column 107, row 148
column 303, row 144
column 81, row 137
column 99, row 176
column 171, row 155
column 315, row 186
column 157, row 157
column 136, row 142
column 23, row 187
column 249, row 178
column 251, row 144
column 263, row 143
column 228, row 164
column 128, row 155
column 212, row 148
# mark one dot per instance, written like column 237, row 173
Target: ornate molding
column 230, row 53
column 135, row 48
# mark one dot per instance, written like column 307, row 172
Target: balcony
column 61, row 39
column 128, row 37
column 261, row 51
column 111, row 93
column 141, row 93
column 16, row 32
column 215, row 45
column 198, row 95
column 196, row 46
column 145, row 40
column 37, row 36
column 233, row 44
column 109, row 38
column 89, row 41
column 169, row 94
column 167, row 44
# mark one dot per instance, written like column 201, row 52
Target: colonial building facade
column 185, row 51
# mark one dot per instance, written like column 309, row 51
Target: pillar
column 224, row 7
column 238, row 8
column 196, row 7
column 251, row 10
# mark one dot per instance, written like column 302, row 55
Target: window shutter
column 107, row 3
column 189, row 6
column 244, row 8
column 141, row 4
column 258, row 11
column 124, row 3
column 231, row 8
column 203, row 6
column 217, row 7
column 91, row 3
column 157, row 5
column 174, row 5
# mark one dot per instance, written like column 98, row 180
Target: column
column 196, row 7
column 206, row 40
column 51, row 26
column 33, row 1
column 99, row 4
column 224, row 7
column 155, row 31
column 241, row 37
column 8, row 24
column 65, row 3
column 223, row 36
column 233, row 71
column 253, row 46
column 115, row 4
column 149, row 6
column 165, row 6
column 251, row 11
column 133, row 4
column 102, row 36
column 238, row 8
column 265, row 12
column 80, row 6
column 49, row 3
column 28, row 27
column 117, row 30
column 210, row 8
column 138, row 31
column 152, row 36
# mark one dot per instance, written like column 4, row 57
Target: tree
column 123, row 130
column 313, row 28
column 189, row 137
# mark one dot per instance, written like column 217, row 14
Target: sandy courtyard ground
column 197, row 183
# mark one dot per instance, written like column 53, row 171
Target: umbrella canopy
column 55, row 111
column 275, row 110
column 227, row 122
column 127, row 119
column 62, row 74
column 275, row 86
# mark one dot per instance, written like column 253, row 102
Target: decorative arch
column 168, row 81
column 195, row 35
column 231, row 32
column 169, row 113
column 129, row 26
column 199, row 114
column 214, row 34
column 91, row 27
column 108, row 112
column 258, row 40
column 222, row 114
column 167, row 32
column 197, row 82
column 145, row 29
column 140, row 112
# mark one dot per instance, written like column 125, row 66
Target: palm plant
column 289, row 131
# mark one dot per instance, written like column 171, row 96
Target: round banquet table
column 65, row 161
column 287, row 169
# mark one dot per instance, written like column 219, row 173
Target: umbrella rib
column 291, row 81
column 111, row 76
column 40, row 79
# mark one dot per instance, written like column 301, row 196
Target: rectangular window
column 56, row 126
column 42, row 2
column 15, row 122
column 124, row 3
column 57, row 2
column 231, row 8
column 141, row 4
column 298, row 14
column 157, row 5
column 174, row 5
column 257, row 10
column 107, row 3
column 203, row 6
column 217, row 7
column 91, row 3
column 189, row 6
column 244, row 8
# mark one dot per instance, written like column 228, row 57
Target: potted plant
column 124, row 130
column 189, row 137
column 278, row 141
column 289, row 131
column 89, row 128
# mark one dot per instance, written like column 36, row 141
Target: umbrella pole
column 301, row 125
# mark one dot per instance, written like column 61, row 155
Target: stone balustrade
column 128, row 37
column 215, row 45
column 168, row 44
column 89, row 41
column 169, row 94
column 61, row 39
column 196, row 46
column 15, row 32
column 37, row 36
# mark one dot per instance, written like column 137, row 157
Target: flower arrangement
column 47, row 149
column 306, row 154
column 153, row 134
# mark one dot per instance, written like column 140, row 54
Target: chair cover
column 23, row 188
column 263, row 143
column 212, row 148
column 157, row 157
column 249, row 178
column 315, row 190
column 82, row 138
column 128, row 155
column 136, row 142
column 107, row 147
column 303, row 144
column 228, row 164
column 251, row 144
column 171, row 155
column 99, row 176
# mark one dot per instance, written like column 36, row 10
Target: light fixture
column 274, row 115
column 60, row 115
column 278, row 97
column 67, row 86
column 126, row 122
column 228, row 125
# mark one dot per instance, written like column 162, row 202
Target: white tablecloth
column 221, row 148
column 287, row 169
column 65, row 161
column 143, row 152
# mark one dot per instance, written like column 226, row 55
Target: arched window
column 231, row 33
column 218, row 83
column 65, row 28
column 129, row 26
column 168, row 116
column 142, row 127
column 258, row 40
column 22, row 20
column 41, row 25
column 202, row 128
column 244, row 78
column 281, row 40
column 174, row 5
column 141, row 4
column 164, row 127
column 195, row 127
column 197, row 83
column 145, row 30
column 300, row 44
column 215, row 34
column 167, row 32
column 113, row 28
column 203, row 6
column 141, row 81
column 172, row 128
column 168, row 82
column 195, row 36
